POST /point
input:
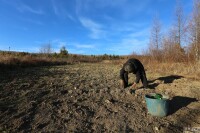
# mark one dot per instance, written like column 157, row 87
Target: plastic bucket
column 157, row 107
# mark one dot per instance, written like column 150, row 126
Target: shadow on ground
column 179, row 102
column 186, row 120
column 170, row 79
column 166, row 80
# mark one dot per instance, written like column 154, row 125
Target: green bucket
column 157, row 104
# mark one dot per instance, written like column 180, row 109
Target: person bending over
column 133, row 66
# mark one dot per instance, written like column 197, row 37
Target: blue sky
column 117, row 27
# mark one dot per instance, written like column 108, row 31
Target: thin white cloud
column 25, row 8
column 126, row 8
column 140, row 33
column 82, row 45
column 55, row 8
column 70, row 17
column 22, row 7
column 95, row 28
column 60, row 11
column 131, row 43
column 136, row 6
column 88, row 5
column 85, row 46
column 128, row 46
column 76, row 47
column 126, row 26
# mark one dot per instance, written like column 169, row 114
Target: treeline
column 61, row 55
column 182, row 41
column 11, row 59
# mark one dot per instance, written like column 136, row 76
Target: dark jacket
column 137, row 68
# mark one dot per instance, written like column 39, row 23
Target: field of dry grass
column 187, row 69
column 191, row 69
column 21, row 59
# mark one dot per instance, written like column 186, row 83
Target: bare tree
column 46, row 49
column 180, row 23
column 155, row 37
column 170, row 49
column 172, row 42
column 195, row 29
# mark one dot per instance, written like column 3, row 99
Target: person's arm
column 144, row 79
column 124, row 78
column 138, row 77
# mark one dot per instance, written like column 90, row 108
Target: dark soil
column 87, row 98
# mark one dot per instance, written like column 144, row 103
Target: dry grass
column 10, row 61
column 191, row 70
column 21, row 59
column 14, row 60
column 187, row 69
